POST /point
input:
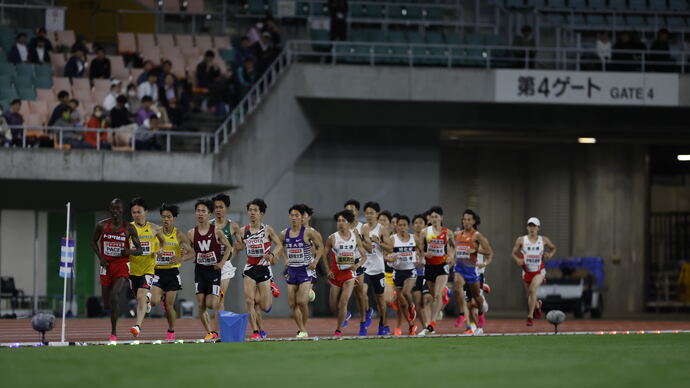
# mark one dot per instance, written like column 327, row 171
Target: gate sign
column 586, row 87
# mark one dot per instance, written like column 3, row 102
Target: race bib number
column 406, row 257
column 533, row 262
column 462, row 254
column 206, row 258
column 255, row 248
column 295, row 254
column 165, row 258
column 145, row 248
column 345, row 258
column 437, row 247
column 113, row 249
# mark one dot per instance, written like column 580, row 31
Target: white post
column 64, row 286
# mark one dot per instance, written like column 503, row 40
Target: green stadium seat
column 358, row 10
column 43, row 82
column 5, row 81
column 320, row 35
column 3, row 56
column 22, row 81
column 302, row 9
column 320, row 9
column 434, row 13
column 8, row 94
column 474, row 54
column 377, row 36
column 7, row 68
column 395, row 12
column 227, row 54
column 359, row 35
column 5, row 104
column 375, row 11
column 28, row 94
column 256, row 7
column 397, row 37
column 25, row 69
column 43, row 71
column 415, row 13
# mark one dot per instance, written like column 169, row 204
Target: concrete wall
column 17, row 236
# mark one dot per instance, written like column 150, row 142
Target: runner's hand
column 312, row 265
column 219, row 266
column 176, row 260
column 104, row 262
column 482, row 265
column 521, row 262
column 428, row 255
column 330, row 275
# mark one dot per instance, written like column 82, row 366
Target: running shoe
column 347, row 318
column 530, row 322
column 148, row 302
column 367, row 316
column 413, row 330
column 423, row 332
column 397, row 331
column 481, row 320
column 386, row 330
column 209, row 336
column 170, row 336
column 215, row 335
column 269, row 309
column 486, row 288
column 263, row 334
column 302, row 334
column 112, row 337
column 446, row 296
column 479, row 331
column 411, row 313
column 255, row 336
column 460, row 321
column 135, row 330
column 537, row 314
column 312, row 295
column 381, row 331
column 275, row 290
column 469, row 330
column 363, row 329
column 337, row 333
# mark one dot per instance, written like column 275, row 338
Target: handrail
column 205, row 137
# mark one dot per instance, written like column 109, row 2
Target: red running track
column 78, row 330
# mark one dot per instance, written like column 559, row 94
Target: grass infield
column 534, row 361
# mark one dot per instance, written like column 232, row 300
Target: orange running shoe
column 255, row 336
column 413, row 330
column 135, row 330
column 397, row 331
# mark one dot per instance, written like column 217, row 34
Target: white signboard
column 55, row 19
column 287, row 8
column 586, row 87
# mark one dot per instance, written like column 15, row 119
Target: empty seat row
column 640, row 5
column 609, row 20
column 128, row 42
column 193, row 6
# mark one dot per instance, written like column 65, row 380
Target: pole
column 64, row 284
column 35, row 262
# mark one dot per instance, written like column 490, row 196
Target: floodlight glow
column 684, row 158
column 586, row 140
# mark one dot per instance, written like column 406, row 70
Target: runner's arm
column 516, row 251
column 366, row 240
column 185, row 246
column 450, row 244
column 284, row 255
column 318, row 247
column 327, row 248
column 362, row 252
column 551, row 246
column 239, row 242
column 228, row 248
column 134, row 236
column 94, row 243
column 484, row 249
column 386, row 242
column 277, row 244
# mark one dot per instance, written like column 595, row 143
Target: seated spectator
column 39, row 54
column 271, row 27
column 254, row 32
column 525, row 39
column 207, row 71
column 623, row 60
column 264, row 52
column 41, row 36
column 119, row 115
column 145, row 112
column 14, row 118
column 246, row 77
column 133, row 101
column 63, row 98
column 604, row 49
column 100, row 66
column 222, row 96
column 19, row 53
column 169, row 98
column 80, row 44
column 148, row 66
column 145, row 138
column 70, row 117
column 111, row 99
column 166, row 69
column 149, row 88
column 5, row 131
column 661, row 52
column 243, row 53
column 76, row 65
column 98, row 120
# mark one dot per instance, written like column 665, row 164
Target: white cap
column 534, row 220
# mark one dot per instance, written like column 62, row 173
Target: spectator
column 169, row 98
column 623, row 60
column 119, row 115
column 39, row 54
column 243, row 53
column 254, row 32
column 63, row 97
column 133, row 101
column 41, row 36
column 145, row 112
column 100, row 66
column 166, row 69
column 149, row 88
column 604, row 49
column 661, row 52
column 111, row 99
column 246, row 76
column 5, row 131
column 71, row 118
column 19, row 53
column 222, row 96
column 14, row 118
column 76, row 65
column 264, row 52
column 272, row 28
column 98, row 120
column 148, row 66
column 524, row 58
column 338, row 19
column 207, row 71
column 146, row 138
column 80, row 44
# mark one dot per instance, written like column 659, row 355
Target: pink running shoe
column 446, row 296
column 461, row 321
column 112, row 337
column 275, row 290
column 170, row 336
column 486, row 288
column 337, row 334
column 481, row 320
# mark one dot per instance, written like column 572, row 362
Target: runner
column 142, row 267
column 529, row 252
column 468, row 243
column 404, row 260
column 439, row 252
column 375, row 241
column 361, row 286
column 221, row 203
column 342, row 246
column 258, row 239
column 175, row 250
column 207, row 242
column 110, row 242
column 301, row 266
column 420, row 292
column 389, row 294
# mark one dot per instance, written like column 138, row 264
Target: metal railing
column 487, row 56
column 60, row 136
column 654, row 19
